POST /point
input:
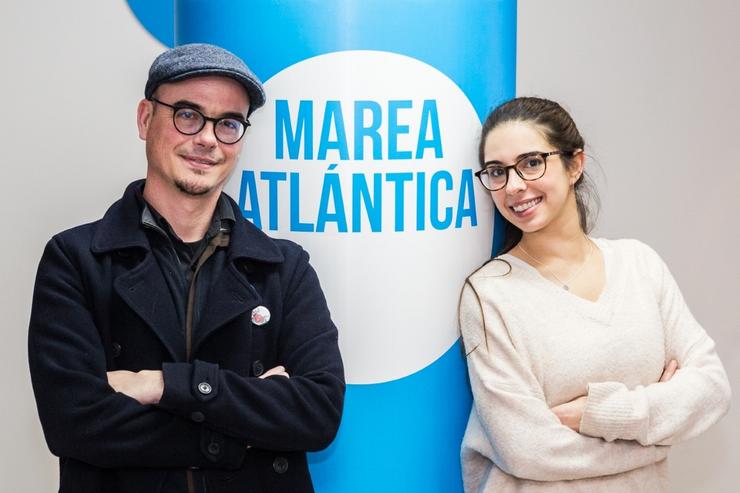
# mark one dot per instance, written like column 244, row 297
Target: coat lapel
column 231, row 296
column 142, row 288
column 145, row 291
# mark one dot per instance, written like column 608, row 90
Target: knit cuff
column 613, row 412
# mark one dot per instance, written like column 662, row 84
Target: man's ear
column 144, row 113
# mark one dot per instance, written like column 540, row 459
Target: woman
column 584, row 360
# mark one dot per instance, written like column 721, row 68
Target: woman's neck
column 566, row 246
column 563, row 239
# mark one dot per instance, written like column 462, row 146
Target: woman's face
column 532, row 205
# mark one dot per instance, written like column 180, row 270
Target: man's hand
column 146, row 386
column 278, row 371
column 570, row 413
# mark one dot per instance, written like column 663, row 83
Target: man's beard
column 192, row 189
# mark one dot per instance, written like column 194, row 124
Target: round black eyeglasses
column 531, row 166
column 189, row 121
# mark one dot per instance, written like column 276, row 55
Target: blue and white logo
column 366, row 159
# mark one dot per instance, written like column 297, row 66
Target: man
column 173, row 346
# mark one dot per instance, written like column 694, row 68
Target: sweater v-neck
column 602, row 309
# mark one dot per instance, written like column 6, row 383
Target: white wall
column 72, row 74
column 652, row 84
column 654, row 87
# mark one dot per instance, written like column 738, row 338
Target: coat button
column 258, row 368
column 204, row 388
column 214, row 448
column 116, row 347
column 280, row 465
column 197, row 416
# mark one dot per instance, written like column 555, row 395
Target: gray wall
column 654, row 88
column 652, row 84
column 72, row 74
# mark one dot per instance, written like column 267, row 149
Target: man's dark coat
column 101, row 303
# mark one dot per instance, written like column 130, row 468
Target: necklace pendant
column 566, row 287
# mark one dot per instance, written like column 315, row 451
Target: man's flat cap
column 198, row 59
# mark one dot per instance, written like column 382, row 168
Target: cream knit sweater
column 532, row 345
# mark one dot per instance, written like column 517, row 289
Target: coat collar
column 121, row 229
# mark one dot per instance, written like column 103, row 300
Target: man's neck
column 189, row 216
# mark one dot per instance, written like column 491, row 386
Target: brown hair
column 561, row 132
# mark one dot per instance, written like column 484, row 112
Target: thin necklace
column 565, row 283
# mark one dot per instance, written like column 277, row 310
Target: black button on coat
column 99, row 289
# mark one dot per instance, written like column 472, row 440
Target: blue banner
column 364, row 154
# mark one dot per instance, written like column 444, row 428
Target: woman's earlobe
column 580, row 159
column 575, row 177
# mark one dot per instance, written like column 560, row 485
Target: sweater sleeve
column 521, row 435
column 664, row 413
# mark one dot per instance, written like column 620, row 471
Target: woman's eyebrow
column 520, row 156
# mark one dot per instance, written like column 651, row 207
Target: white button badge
column 260, row 315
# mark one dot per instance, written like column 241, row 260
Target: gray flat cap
column 198, row 59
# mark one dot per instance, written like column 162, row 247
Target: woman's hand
column 570, row 413
column 669, row 371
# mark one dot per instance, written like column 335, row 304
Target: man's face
column 196, row 165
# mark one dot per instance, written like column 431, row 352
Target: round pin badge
column 260, row 315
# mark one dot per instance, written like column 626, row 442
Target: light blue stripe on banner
column 157, row 17
column 476, row 50
column 401, row 436
column 473, row 42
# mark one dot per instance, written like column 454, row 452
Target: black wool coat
column 100, row 303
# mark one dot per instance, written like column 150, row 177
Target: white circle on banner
column 395, row 221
